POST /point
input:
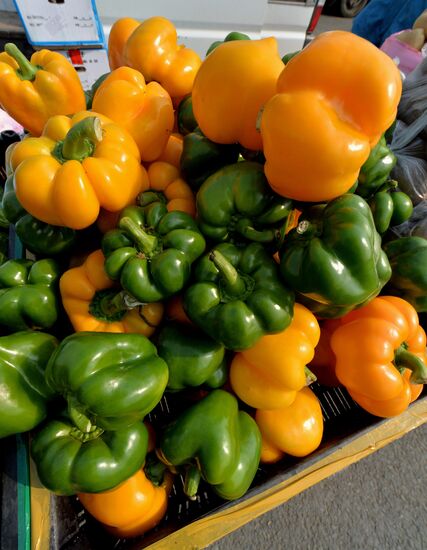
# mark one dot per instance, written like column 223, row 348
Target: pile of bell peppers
column 216, row 231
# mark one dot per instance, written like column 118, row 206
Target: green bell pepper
column 288, row 56
column 390, row 207
column 236, row 203
column 185, row 116
column 333, row 260
column 376, row 169
column 193, row 358
column 28, row 294
column 234, row 35
column 408, row 260
column 152, row 252
column 109, row 380
column 214, row 440
column 38, row 237
column 69, row 461
column 237, row 296
column 201, row 157
column 4, row 246
column 24, row 391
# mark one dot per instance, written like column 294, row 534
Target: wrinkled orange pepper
column 145, row 110
column 33, row 91
column 231, row 86
column 334, row 100
column 119, row 34
column 323, row 363
column 78, row 165
column 295, row 430
column 153, row 50
column 381, row 355
column 89, row 299
column 173, row 150
column 166, row 180
column 269, row 374
column 132, row 508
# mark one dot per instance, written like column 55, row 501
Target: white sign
column 61, row 22
column 89, row 64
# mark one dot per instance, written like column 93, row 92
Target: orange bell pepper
column 93, row 303
column 269, row 374
column 173, row 150
column 166, row 182
column 153, row 50
column 231, row 86
column 78, row 165
column 334, row 100
column 132, row 508
column 295, row 430
column 119, row 35
column 381, row 355
column 33, row 91
column 145, row 110
column 323, row 363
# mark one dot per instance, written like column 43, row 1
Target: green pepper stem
column 145, row 242
column 108, row 305
column 155, row 470
column 310, row 377
column 81, row 139
column 26, row 71
column 192, row 480
column 390, row 184
column 252, row 234
column 81, row 421
column 405, row 359
column 148, row 197
column 233, row 283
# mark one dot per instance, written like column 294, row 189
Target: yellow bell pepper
column 78, row 165
column 33, row 91
column 145, row 110
column 231, row 86
column 334, row 100
column 152, row 48
column 93, row 303
column 271, row 373
column 119, row 34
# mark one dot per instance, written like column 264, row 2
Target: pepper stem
column 108, row 305
column 192, row 480
column 148, row 197
column 310, row 377
column 145, row 242
column 154, row 470
column 233, row 283
column 246, row 230
column 26, row 71
column 81, row 421
column 390, row 184
column 81, row 139
column 405, row 359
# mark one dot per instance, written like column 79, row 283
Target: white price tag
column 61, row 22
column 89, row 64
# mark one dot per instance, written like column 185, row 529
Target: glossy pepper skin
column 381, row 355
column 119, row 34
column 376, row 170
column 132, row 508
column 69, row 460
column 233, row 83
column 28, row 294
column 333, row 260
column 167, row 184
column 192, row 357
column 93, row 303
column 216, row 441
column 236, row 296
column 315, row 115
column 296, row 430
column 271, row 373
column 77, row 166
column 408, row 260
column 145, row 110
column 236, row 202
column 25, row 394
column 201, row 157
column 390, row 207
column 153, row 50
column 152, row 251
column 37, row 236
column 33, row 91
column 110, row 381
